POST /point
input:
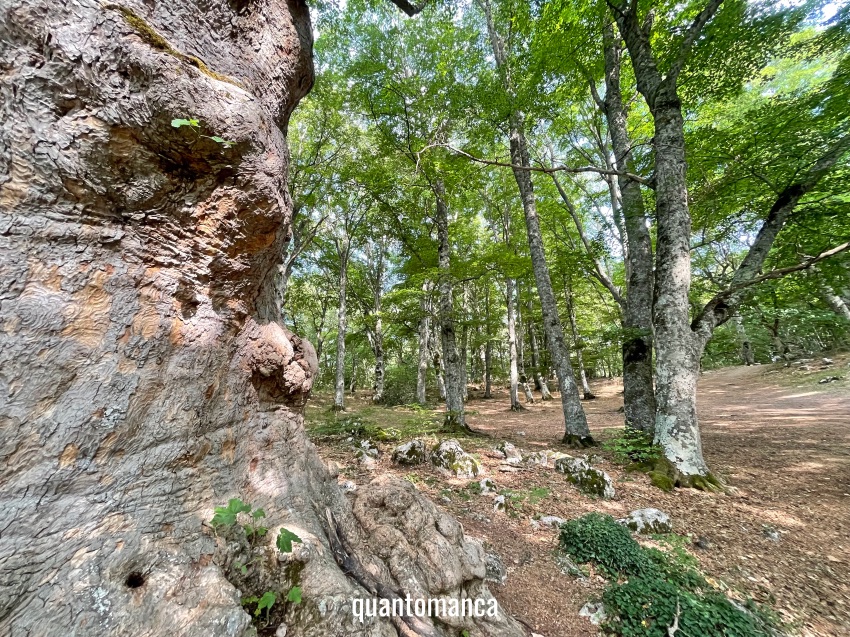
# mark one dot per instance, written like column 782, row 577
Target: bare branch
column 548, row 170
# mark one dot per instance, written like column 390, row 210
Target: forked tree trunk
column 144, row 376
column 639, row 394
column 454, row 418
column 576, row 431
column 512, row 348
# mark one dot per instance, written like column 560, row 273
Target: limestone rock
column 450, row 458
column 594, row 611
column 410, row 453
column 648, row 522
column 509, row 451
column 586, row 478
column 552, row 521
column 487, row 486
column 496, row 571
column 499, row 503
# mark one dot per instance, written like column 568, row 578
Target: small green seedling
column 195, row 126
column 285, row 538
column 294, row 595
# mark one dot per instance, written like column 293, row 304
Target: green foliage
column 195, row 126
column 284, row 541
column 633, row 446
column 294, row 595
column 227, row 515
column 651, row 590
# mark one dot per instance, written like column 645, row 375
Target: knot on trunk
column 282, row 365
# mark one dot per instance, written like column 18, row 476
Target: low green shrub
column 633, row 447
column 651, row 591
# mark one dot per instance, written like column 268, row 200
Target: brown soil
column 780, row 439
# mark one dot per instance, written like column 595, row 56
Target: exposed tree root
column 578, row 442
column 666, row 477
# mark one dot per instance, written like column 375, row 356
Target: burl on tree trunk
column 144, row 377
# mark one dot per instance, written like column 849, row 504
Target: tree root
column 578, row 442
column 664, row 475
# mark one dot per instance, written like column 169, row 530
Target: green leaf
column 177, row 123
column 294, row 595
column 285, row 538
column 257, row 514
column 226, row 516
column 265, row 603
column 218, row 139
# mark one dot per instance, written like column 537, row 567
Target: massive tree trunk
column 424, row 330
column 343, row 250
column 512, row 348
column 144, row 375
column 639, row 394
column 454, row 419
column 576, row 431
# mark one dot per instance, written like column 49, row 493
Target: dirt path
column 780, row 439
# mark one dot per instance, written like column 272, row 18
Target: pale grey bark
column 639, row 393
column 539, row 381
column 488, row 348
column 834, row 300
column 375, row 332
column 343, row 247
column 744, row 345
column 512, row 346
column 578, row 344
column 463, row 350
column 454, row 418
column 144, row 375
column 424, row 331
column 575, row 421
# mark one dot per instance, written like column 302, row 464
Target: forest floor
column 776, row 435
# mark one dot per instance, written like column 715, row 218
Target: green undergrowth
column 651, row 591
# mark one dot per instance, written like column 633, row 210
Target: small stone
column 520, row 433
column 771, row 533
column 594, row 611
column 648, row 522
column 551, row 521
column 584, row 477
column 366, row 448
column 538, row 457
column 829, row 379
column 348, row 486
column 826, row 361
column 702, row 543
column 410, row 453
column 509, row 452
column 499, row 503
column 333, row 469
column 487, row 486
column 281, row 631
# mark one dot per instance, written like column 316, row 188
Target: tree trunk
column 746, row 349
column 424, row 329
column 579, row 346
column 488, row 348
column 539, row 380
column 339, row 381
column 639, row 395
column 575, row 422
column 834, row 300
column 514, row 373
column 144, row 374
column 454, row 419
column 352, row 383
column 463, row 352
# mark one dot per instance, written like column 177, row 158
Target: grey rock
column 496, row 571
column 499, row 503
column 584, row 477
column 509, row 451
column 648, row 522
column 594, row 611
column 449, row 458
column 552, row 521
column 410, row 453
column 487, row 486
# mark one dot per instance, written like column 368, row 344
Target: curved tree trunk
column 144, row 376
column 576, row 431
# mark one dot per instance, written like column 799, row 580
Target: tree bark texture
column 585, row 387
column 424, row 330
column 539, row 380
column 144, row 377
column 343, row 251
column 512, row 348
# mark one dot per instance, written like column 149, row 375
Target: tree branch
column 691, row 36
column 543, row 169
column 410, row 9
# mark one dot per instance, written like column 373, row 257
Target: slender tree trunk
column 488, row 348
column 424, row 329
column 352, row 383
column 454, row 419
column 463, row 352
column 639, row 394
column 512, row 346
column 579, row 346
column 744, row 344
column 339, row 382
column 539, row 380
column 378, row 331
column 378, row 347
column 576, row 432
column 834, row 300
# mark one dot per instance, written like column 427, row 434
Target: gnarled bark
column 144, row 378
